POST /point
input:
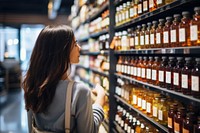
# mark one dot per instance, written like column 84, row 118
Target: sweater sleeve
column 88, row 116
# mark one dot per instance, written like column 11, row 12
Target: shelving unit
column 167, row 10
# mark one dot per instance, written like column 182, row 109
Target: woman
column 46, row 83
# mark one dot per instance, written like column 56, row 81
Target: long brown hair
column 49, row 61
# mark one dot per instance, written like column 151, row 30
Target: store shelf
column 159, row 126
column 95, row 35
column 164, row 11
column 158, row 88
column 102, row 52
column 84, row 39
column 175, row 50
column 118, row 128
column 98, row 13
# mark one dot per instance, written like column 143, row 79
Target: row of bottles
column 162, row 109
column 178, row 74
column 134, row 8
column 131, row 123
column 177, row 32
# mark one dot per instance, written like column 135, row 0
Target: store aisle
column 13, row 118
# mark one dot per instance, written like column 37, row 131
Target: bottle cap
column 155, row 22
column 185, row 13
column 171, row 58
column 168, row 18
column 161, row 20
column 177, row 15
column 149, row 23
column 188, row 58
column 138, row 26
column 164, row 57
column 179, row 58
column 197, row 59
column 143, row 25
column 196, row 9
column 145, row 58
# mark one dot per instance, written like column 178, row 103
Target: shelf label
column 195, row 83
column 193, row 32
column 182, row 35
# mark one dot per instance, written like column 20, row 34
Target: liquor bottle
column 139, row 69
column 136, row 8
column 138, row 126
column 117, row 16
column 123, row 119
column 126, row 121
column 137, row 37
column 163, row 112
column 153, row 34
column 124, row 40
column 133, row 126
column 189, row 122
column 140, row 7
column 197, row 126
column 186, row 76
column 174, row 31
column 152, row 5
column 147, row 35
column 120, row 15
column 166, row 32
column 135, row 68
column 155, row 68
column 177, row 74
column 184, row 30
column 159, row 34
column 124, row 13
column 142, row 36
column 149, row 70
column 131, row 10
column 130, row 39
column 145, row 6
column 178, row 120
column 144, row 67
column 119, row 63
column 149, row 106
column 169, row 73
column 161, row 72
column 127, row 17
column 156, row 102
column 195, row 28
column 119, row 46
column 172, row 111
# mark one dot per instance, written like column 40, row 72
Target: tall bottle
column 144, row 67
column 163, row 112
column 149, row 70
column 159, row 34
column 139, row 69
column 153, row 34
column 195, row 28
column 161, row 72
column 166, row 32
column 136, row 8
column 172, row 111
column 145, row 6
column 137, row 37
column 186, row 76
column 149, row 108
column 140, row 7
column 131, row 38
column 174, row 31
column 178, row 120
column 142, row 36
column 189, row 122
column 184, row 30
column 147, row 35
column 156, row 102
column 195, row 79
column 169, row 73
column 155, row 68
column 177, row 74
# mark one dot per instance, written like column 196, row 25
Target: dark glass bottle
column 169, row 73
column 149, row 70
column 139, row 69
column 144, row 67
column 186, row 76
column 177, row 74
column 172, row 111
column 137, row 37
column 195, row 79
column 133, row 126
column 178, row 120
column 140, row 7
column 147, row 35
column 166, row 32
column 189, row 122
column 135, row 68
column 197, row 126
column 161, row 72
column 159, row 34
column 155, row 68
column 153, row 34
column 184, row 30
column 174, row 31
column 142, row 36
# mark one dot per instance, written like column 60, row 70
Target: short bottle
column 174, row 31
column 147, row 35
column 155, row 68
column 172, row 111
column 142, row 36
column 159, row 34
column 166, row 32
column 153, row 34
column 149, row 70
column 161, row 72
column 137, row 37
column 178, row 120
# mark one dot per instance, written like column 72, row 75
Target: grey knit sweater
column 85, row 116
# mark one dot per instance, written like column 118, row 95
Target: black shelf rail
column 164, row 9
column 103, row 52
column 159, row 88
column 173, row 50
column 95, row 35
column 98, row 13
column 159, row 126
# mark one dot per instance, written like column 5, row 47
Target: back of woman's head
column 50, row 59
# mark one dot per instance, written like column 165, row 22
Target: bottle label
column 131, row 12
column 193, row 32
column 144, row 104
column 119, row 120
column 143, row 72
column 176, row 127
column 148, row 107
column 165, row 37
column 158, row 39
column 123, row 16
column 173, row 35
column 136, row 40
column 195, row 83
column 146, row 39
column 131, row 41
column 128, row 69
column 139, row 8
column 185, row 130
column 148, row 73
column 145, row 6
column 168, row 77
column 132, row 72
column 169, row 120
column 159, row 2
column 182, row 35
column 154, row 74
column 139, row 102
column 125, row 126
column 151, row 3
column 139, row 72
column 155, row 114
column 152, row 39
column 141, row 40
column 135, row 71
column 161, row 76
column 184, row 81
column 160, row 115
column 176, row 79
column 134, row 99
